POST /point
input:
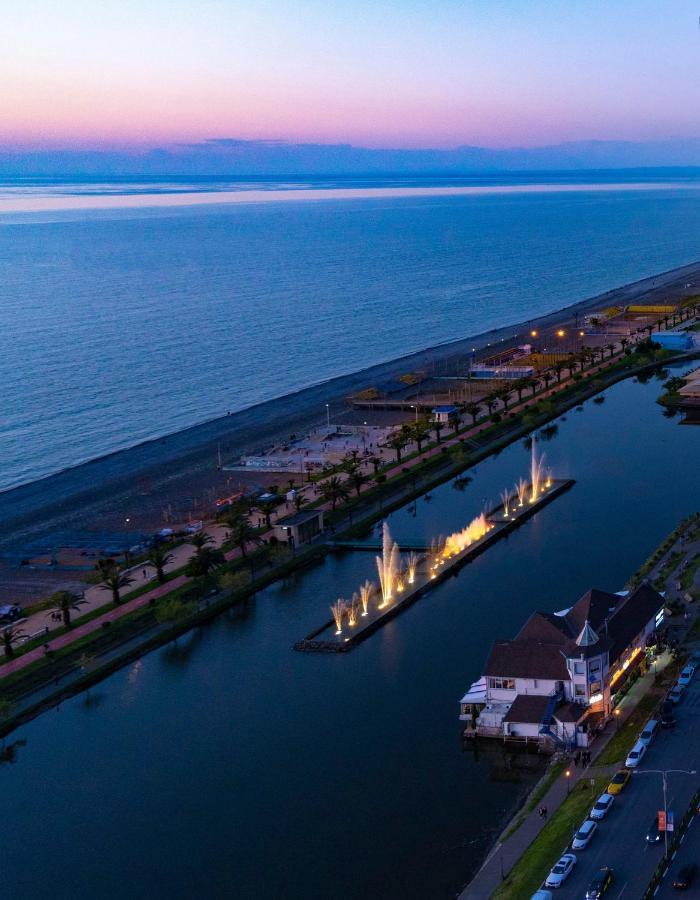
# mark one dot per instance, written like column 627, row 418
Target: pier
column 354, row 623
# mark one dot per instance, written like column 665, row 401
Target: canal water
column 227, row 765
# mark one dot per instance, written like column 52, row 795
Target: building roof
column 445, row 409
column 587, row 637
column 527, row 708
column 631, row 616
column 546, row 628
column 570, row 712
column 595, row 606
column 526, row 659
column 299, row 518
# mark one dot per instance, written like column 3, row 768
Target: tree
column 241, row 533
column 547, row 377
column 558, row 367
column 437, row 427
column 267, row 507
column 115, row 581
column 299, row 500
column 419, row 434
column 490, row 402
column 520, row 385
column 376, row 463
column 65, row 602
column 358, row 479
column 455, row 423
column 397, row 442
column 504, row 396
column 333, row 491
column 159, row 556
column 473, row 410
column 10, row 636
column 204, row 560
column 623, row 343
column 611, row 348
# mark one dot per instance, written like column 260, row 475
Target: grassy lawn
column 540, row 790
column 621, row 742
column 531, row 869
column 688, row 577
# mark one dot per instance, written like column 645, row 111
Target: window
column 534, row 682
column 594, row 667
column 579, row 690
column 595, row 687
column 502, row 684
column 579, row 668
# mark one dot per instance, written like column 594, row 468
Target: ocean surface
column 122, row 320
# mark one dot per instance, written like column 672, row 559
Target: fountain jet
column 521, row 491
column 366, row 591
column 388, row 566
column 338, row 609
column 506, row 498
column 536, row 472
column 460, row 540
column 411, row 565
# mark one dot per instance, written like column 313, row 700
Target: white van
column 583, row 835
column 649, row 731
column 636, row 754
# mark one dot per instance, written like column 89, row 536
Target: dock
column 431, row 572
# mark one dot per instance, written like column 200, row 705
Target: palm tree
column 623, row 343
column 10, row 636
column 267, row 507
column 333, row 490
column 65, row 602
column 376, row 463
column 490, row 402
column 558, row 367
column 455, row 423
column 547, row 377
column 419, row 435
column 473, row 410
column 397, row 442
column 241, row 532
column 159, row 556
column 520, row 385
column 358, row 479
column 115, row 581
column 437, row 427
column 504, row 396
column 611, row 348
column 299, row 500
column 200, row 540
column 204, row 561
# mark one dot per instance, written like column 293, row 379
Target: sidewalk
column 507, row 852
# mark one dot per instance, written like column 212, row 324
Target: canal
column 227, row 765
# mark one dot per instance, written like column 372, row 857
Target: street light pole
column 328, row 415
column 663, row 773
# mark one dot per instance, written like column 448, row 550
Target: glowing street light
column 561, row 332
column 533, row 333
column 568, row 781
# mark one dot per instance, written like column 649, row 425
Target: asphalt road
column 689, row 851
column 620, row 841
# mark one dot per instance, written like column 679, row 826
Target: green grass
column 688, row 577
column 529, row 872
column 619, row 745
column 545, row 783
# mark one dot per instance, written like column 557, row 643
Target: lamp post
column 328, row 415
column 663, row 773
column 617, row 717
column 568, row 781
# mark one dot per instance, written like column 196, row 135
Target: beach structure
column 556, row 682
column 673, row 340
column 300, row 528
column 446, row 414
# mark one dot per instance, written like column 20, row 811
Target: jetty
column 354, row 621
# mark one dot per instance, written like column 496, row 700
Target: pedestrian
column 144, row 573
column 544, row 812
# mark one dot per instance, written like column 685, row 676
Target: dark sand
column 140, row 482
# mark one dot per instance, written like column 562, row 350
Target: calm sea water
column 227, row 765
column 123, row 325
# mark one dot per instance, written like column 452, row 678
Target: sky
column 373, row 73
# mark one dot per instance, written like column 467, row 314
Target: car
column 561, row 870
column 583, row 836
column 654, row 834
column 600, row 883
column 10, row 613
column 542, row 895
column 649, row 731
column 636, row 754
column 685, row 877
column 668, row 720
column 695, row 658
column 602, row 807
column 676, row 694
column 619, row 781
column 686, row 676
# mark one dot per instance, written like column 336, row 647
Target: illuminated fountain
column 521, row 491
column 506, row 497
column 338, row 609
column 460, row 540
column 536, row 472
column 411, row 565
column 366, row 591
column 353, row 609
column 388, row 566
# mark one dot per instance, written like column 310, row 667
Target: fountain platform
column 429, row 574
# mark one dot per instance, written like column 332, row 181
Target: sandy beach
column 127, row 491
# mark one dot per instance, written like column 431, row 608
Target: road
column 688, row 852
column 620, row 841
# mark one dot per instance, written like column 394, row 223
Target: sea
column 132, row 310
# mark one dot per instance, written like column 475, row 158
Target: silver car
column 561, row 871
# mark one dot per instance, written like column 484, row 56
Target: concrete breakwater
column 430, row 570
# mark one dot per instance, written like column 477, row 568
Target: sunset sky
column 402, row 73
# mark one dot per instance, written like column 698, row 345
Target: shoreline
column 86, row 496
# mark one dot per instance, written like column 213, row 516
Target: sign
column 661, row 815
column 669, row 820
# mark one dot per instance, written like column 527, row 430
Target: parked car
column 600, row 883
column 542, row 895
column 685, row 877
column 686, row 676
column 668, row 720
column 676, row 694
column 583, row 836
column 561, row 871
column 654, row 834
column 602, row 807
column 10, row 613
column 634, row 757
column 619, row 781
column 649, row 731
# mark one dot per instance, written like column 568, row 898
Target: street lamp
column 568, row 781
column 328, row 415
column 416, row 409
column 617, row 717
column 663, row 773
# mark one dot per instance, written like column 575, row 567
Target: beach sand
column 127, row 491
